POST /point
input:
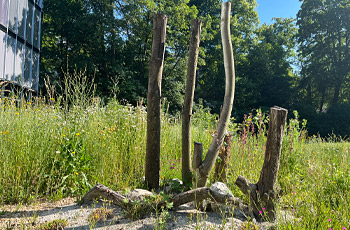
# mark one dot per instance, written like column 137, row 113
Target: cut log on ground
column 263, row 194
column 196, row 195
column 100, row 190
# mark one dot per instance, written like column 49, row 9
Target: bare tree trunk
column 154, row 102
column 263, row 194
column 208, row 163
column 188, row 103
column 337, row 89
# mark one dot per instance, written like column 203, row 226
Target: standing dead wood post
column 221, row 166
column 188, row 102
column 263, row 193
column 209, row 161
column 154, row 102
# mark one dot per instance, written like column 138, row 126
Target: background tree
column 80, row 35
column 266, row 73
column 324, row 40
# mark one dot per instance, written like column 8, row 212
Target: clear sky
column 268, row 9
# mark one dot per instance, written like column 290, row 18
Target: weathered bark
column 197, row 155
column 263, row 194
column 221, row 166
column 197, row 195
column 100, row 190
column 188, row 102
column 154, row 102
column 209, row 161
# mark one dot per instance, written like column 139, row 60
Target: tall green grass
column 62, row 148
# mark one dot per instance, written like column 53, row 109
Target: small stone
column 221, row 189
column 139, row 194
column 177, row 180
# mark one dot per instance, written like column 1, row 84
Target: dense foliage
column 298, row 64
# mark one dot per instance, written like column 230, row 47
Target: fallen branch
column 100, row 190
column 196, row 195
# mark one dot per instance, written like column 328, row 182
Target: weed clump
column 58, row 224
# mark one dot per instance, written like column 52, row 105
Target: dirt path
column 77, row 216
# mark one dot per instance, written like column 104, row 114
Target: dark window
column 19, row 63
column 29, row 23
column 13, row 10
column 10, row 58
column 36, row 28
column 22, row 11
column 27, row 67
column 35, row 76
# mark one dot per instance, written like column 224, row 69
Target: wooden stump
column 263, row 194
column 222, row 165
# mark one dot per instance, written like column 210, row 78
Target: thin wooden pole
column 225, row 114
column 154, row 102
column 188, row 103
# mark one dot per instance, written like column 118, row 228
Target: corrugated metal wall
column 20, row 26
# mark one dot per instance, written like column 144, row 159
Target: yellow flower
column 76, row 173
column 16, row 113
column 77, row 134
column 7, row 132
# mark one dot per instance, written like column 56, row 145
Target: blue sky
column 268, row 9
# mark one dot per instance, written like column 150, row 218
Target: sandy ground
column 30, row 217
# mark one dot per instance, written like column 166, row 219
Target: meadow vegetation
column 61, row 148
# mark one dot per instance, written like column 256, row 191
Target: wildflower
column 77, row 134
column 76, row 173
column 293, row 210
column 7, row 132
column 260, row 212
column 329, row 220
column 264, row 208
column 344, row 228
column 58, row 152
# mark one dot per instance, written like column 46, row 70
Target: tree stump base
column 262, row 195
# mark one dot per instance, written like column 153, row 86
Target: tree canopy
column 299, row 64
